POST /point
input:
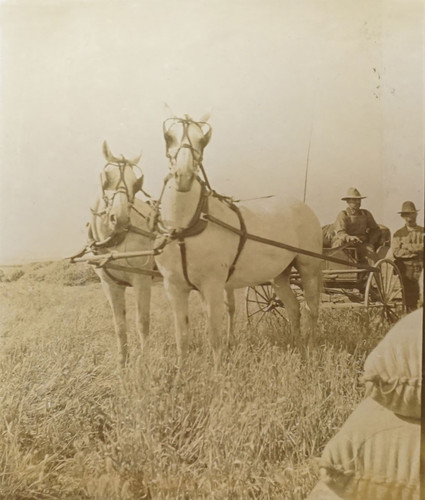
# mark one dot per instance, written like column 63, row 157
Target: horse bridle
column 185, row 122
column 120, row 187
column 111, row 239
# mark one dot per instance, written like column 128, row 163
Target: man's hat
column 353, row 193
column 408, row 207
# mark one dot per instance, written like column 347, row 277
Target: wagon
column 346, row 283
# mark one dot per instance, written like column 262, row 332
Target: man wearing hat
column 357, row 226
column 408, row 251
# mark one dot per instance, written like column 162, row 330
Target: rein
column 277, row 244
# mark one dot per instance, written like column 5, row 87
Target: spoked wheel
column 385, row 291
column 262, row 304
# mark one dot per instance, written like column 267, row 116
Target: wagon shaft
column 106, row 257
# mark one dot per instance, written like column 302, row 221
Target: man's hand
column 352, row 239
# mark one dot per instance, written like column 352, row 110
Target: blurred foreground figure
column 376, row 454
column 408, row 251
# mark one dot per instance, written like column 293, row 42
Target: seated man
column 357, row 226
column 408, row 251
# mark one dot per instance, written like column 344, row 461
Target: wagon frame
column 351, row 284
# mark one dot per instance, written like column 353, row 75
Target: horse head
column 185, row 140
column 119, row 185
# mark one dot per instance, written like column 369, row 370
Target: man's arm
column 415, row 247
column 371, row 222
column 403, row 249
column 374, row 231
column 341, row 229
column 397, row 247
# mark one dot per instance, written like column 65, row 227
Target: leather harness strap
column 278, row 244
column 115, row 280
column 94, row 246
column 147, row 272
column 197, row 225
column 142, row 232
column 182, row 246
column 118, row 238
column 243, row 237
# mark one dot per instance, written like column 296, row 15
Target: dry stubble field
column 73, row 425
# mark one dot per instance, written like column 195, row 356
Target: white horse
column 214, row 245
column 120, row 223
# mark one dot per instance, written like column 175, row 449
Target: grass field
column 73, row 425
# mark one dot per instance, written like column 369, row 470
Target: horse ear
column 107, row 152
column 137, row 159
column 205, row 117
column 168, row 112
column 138, row 184
column 206, row 138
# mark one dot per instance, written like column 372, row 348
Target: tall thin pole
column 308, row 158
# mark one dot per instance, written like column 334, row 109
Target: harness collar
column 196, row 225
column 110, row 241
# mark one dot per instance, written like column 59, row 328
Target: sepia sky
column 343, row 76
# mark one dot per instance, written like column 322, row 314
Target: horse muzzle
column 183, row 180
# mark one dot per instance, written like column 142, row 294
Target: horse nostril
column 113, row 219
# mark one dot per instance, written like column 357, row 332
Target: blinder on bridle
column 185, row 140
column 121, row 186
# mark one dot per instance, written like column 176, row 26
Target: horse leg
column 229, row 300
column 213, row 297
column 179, row 300
column 311, row 279
column 116, row 298
column 284, row 291
column 142, row 290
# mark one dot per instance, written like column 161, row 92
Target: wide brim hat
column 353, row 193
column 408, row 207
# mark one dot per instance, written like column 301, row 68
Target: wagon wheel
column 385, row 290
column 262, row 303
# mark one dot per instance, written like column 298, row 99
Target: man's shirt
column 355, row 223
column 408, row 243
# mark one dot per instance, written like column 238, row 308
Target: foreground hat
column 353, row 193
column 408, row 207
